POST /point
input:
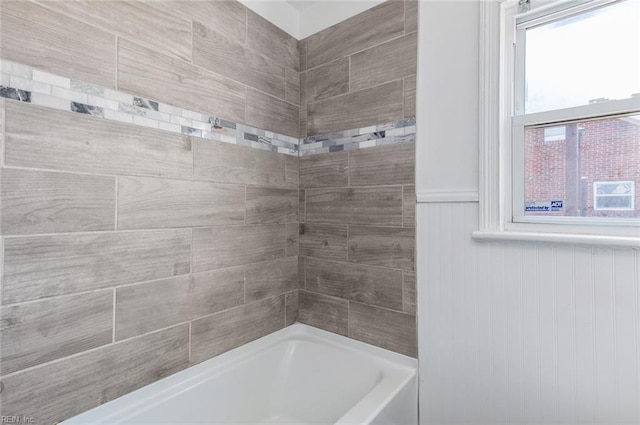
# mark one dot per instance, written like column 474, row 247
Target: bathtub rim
column 403, row 370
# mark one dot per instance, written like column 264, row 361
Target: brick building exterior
column 606, row 150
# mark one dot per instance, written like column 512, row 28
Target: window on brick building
column 577, row 84
column 560, row 121
column 554, row 133
column 614, row 196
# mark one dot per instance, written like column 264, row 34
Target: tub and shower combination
column 298, row 375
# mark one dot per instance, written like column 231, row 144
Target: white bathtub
column 299, row 375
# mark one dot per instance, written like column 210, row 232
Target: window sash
column 631, row 196
column 515, row 215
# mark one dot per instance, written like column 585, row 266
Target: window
column 555, row 133
column 614, row 196
column 561, row 150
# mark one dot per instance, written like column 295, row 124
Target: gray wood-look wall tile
column 387, row 62
column 228, row 17
column 410, row 16
column 227, row 246
column 147, row 202
column 365, row 205
column 270, row 113
column 324, row 312
column 148, row 73
column 2, row 129
column 409, row 205
column 325, row 170
column 302, row 121
column 36, row 333
column 33, row 35
column 302, row 51
column 291, row 308
column 265, row 37
column 45, row 266
column 409, row 300
column 365, row 284
column 328, row 80
column 271, row 205
column 62, row 389
column 378, row 104
column 50, row 202
column 271, row 278
column 301, row 274
column 376, row 25
column 291, row 172
column 410, row 97
column 159, row 304
column 215, row 334
column 302, row 205
column 139, row 21
column 324, row 241
column 383, row 165
column 292, row 88
column 304, row 96
column 382, row 246
column 388, row 329
column 227, row 57
column 227, row 163
column 41, row 137
column 293, row 238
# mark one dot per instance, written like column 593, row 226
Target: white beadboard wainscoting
column 524, row 332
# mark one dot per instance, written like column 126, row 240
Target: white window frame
column 502, row 158
column 596, row 195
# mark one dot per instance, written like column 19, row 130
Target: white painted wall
column 509, row 332
column 323, row 14
column 303, row 18
column 448, row 82
column 278, row 12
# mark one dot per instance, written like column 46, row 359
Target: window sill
column 577, row 239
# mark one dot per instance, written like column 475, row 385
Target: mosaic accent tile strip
column 26, row 84
column 360, row 138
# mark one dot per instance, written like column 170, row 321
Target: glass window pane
column 585, row 58
column 594, row 171
column 613, row 202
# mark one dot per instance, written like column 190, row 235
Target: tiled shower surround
column 160, row 204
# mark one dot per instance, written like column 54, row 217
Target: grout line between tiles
column 362, row 50
column 91, row 350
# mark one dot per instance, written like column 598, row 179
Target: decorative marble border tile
column 27, row 84
column 360, row 138
column 24, row 83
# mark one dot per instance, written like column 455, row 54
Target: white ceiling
column 301, row 5
column 301, row 18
